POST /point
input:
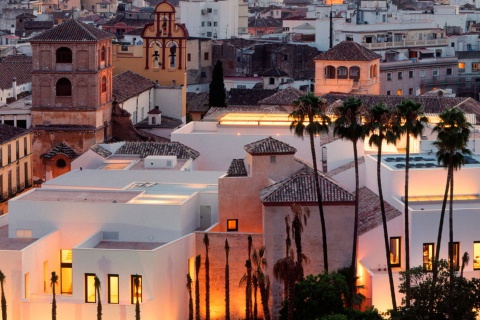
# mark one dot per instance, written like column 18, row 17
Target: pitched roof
column 26, row 15
column 283, row 97
column 37, row 25
column 267, row 22
column 269, row 146
column 61, row 148
column 73, row 31
column 430, row 104
column 101, row 151
column 348, row 51
column 19, row 67
column 128, row 84
column 197, row 102
column 248, row 97
column 145, row 149
column 345, row 167
column 275, row 72
column 369, row 213
column 8, row 133
column 300, row 188
column 237, row 168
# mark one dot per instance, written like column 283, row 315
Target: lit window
column 66, row 271
column 475, row 66
column 461, row 65
column 395, row 251
column 399, row 92
column 90, row 293
column 455, row 255
column 232, row 225
column 136, row 285
column 428, row 256
column 113, row 288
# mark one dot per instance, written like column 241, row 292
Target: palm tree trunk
column 264, row 298
column 4, row 303
column 54, row 304
column 207, row 287
column 353, row 265
column 99, row 305
column 450, row 246
column 227, row 283
column 197, row 288
column 320, row 205
column 407, row 224
column 385, row 228
column 255, row 311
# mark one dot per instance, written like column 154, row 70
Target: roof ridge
column 83, row 27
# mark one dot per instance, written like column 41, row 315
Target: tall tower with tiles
column 72, row 94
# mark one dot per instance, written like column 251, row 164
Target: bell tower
column 71, row 91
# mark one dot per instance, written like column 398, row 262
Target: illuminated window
column 232, row 225
column 399, row 92
column 455, row 246
column 476, row 255
column 136, row 285
column 90, row 292
column 428, row 256
column 66, row 271
column 395, row 251
column 113, row 296
column 475, row 66
column 461, row 65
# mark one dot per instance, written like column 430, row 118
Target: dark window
column 410, row 91
column 388, row 92
column 203, row 74
column 64, row 55
column 104, row 84
column 189, row 57
column 449, row 71
column 410, row 73
column 330, row 72
column 17, row 149
column 64, row 88
column 103, row 54
column 271, row 80
column 205, row 56
column 25, row 174
column 9, row 153
column 342, row 72
column 428, row 256
column 232, row 224
column 389, row 77
column 136, row 285
column 395, row 251
column 354, row 73
column 455, row 260
column 61, row 163
column 25, row 148
column 400, row 75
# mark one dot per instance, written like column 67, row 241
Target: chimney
column 14, row 88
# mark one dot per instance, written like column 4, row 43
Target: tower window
column 104, row 84
column 64, row 88
column 103, row 54
column 64, row 55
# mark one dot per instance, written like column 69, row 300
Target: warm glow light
column 472, row 197
column 259, row 119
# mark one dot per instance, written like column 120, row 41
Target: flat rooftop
column 79, row 195
column 16, row 244
column 423, row 161
column 115, row 162
column 127, row 245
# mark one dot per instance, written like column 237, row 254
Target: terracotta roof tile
column 237, row 168
column 300, row 188
column 369, row 213
column 145, row 149
column 101, row 151
column 19, row 67
column 345, row 167
column 275, row 72
column 61, row 148
column 35, row 25
column 269, row 146
column 348, row 51
column 249, row 97
column 283, row 97
column 72, row 31
column 267, row 22
column 8, row 133
column 128, row 84
column 197, row 102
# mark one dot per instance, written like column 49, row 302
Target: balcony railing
column 407, row 43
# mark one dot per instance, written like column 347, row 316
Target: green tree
column 198, row 264
column 217, row 96
column 53, row 283
column 412, row 124
column 136, row 284
column 453, row 133
column 4, row 301
column 300, row 218
column 349, row 126
column 206, row 242
column 383, row 127
column 309, row 117
column 247, row 281
column 99, row 302
column 259, row 265
column 190, row 298
column 227, row 282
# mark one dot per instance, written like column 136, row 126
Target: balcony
column 406, row 44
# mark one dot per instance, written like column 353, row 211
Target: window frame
column 400, row 75
column 132, row 287
column 428, row 264
column 109, row 277
column 456, row 245
column 90, row 277
column 232, row 229
column 389, row 76
column 63, row 56
column 398, row 240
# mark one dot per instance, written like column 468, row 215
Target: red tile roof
column 73, row 31
column 19, row 67
column 348, row 51
column 269, row 146
column 284, row 97
column 61, row 148
column 369, row 213
column 128, row 84
column 8, row 133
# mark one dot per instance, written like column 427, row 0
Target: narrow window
column 232, row 224
column 27, row 285
column 428, row 256
column 476, row 255
column 189, row 57
column 104, row 84
column 411, row 73
column 66, row 271
column 205, row 56
column 455, row 259
column 389, row 76
column 90, row 292
column 136, row 285
column 17, row 149
column 25, row 148
column 113, row 296
column 395, row 253
column 9, row 153
column 400, row 75
column 103, row 54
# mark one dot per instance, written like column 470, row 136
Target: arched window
column 103, row 54
column 64, row 55
column 104, row 84
column 354, row 73
column 61, row 163
column 64, row 88
column 375, row 70
column 342, row 73
column 330, row 72
column 173, row 55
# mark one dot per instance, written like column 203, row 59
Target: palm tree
column 453, row 133
column 190, row 298
column 248, row 282
column 465, row 261
column 4, row 301
column 136, row 284
column 383, row 128
column 207, row 278
column 299, row 215
column 198, row 263
column 53, row 283
column 227, row 282
column 309, row 117
column 260, row 262
column 99, row 303
column 348, row 126
column 412, row 124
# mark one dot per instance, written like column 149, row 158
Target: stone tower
column 72, row 94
